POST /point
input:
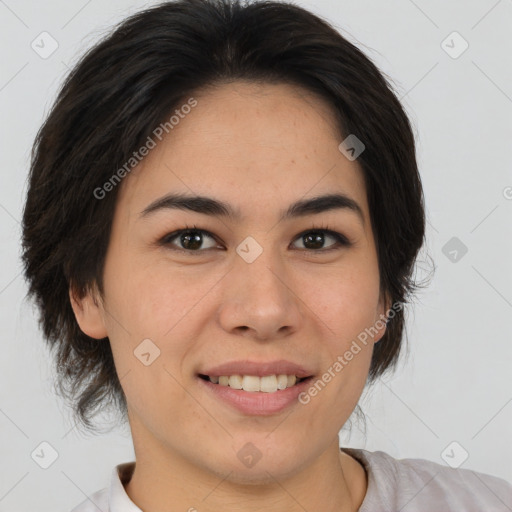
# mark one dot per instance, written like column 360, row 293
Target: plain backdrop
column 454, row 387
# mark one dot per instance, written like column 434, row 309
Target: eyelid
column 165, row 240
column 341, row 239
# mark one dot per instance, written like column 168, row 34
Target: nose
column 259, row 299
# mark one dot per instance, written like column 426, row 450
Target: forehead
column 248, row 144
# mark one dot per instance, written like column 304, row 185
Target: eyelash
column 341, row 240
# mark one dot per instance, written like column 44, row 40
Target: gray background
column 456, row 383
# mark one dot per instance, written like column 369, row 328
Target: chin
column 261, row 474
column 249, row 466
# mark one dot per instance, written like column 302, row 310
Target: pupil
column 194, row 240
column 316, row 239
column 191, row 242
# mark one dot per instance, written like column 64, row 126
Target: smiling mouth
column 253, row 383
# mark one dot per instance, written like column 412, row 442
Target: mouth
column 255, row 395
column 256, row 388
column 252, row 383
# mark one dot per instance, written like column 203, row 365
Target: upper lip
column 259, row 369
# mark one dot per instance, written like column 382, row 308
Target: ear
column 381, row 317
column 88, row 312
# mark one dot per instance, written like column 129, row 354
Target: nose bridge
column 257, row 296
column 260, row 265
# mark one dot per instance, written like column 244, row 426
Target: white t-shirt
column 405, row 485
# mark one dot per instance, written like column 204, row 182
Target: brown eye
column 192, row 240
column 315, row 239
column 189, row 239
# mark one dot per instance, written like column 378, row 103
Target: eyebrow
column 217, row 208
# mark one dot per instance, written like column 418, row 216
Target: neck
column 334, row 482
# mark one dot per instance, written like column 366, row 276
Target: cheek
column 152, row 300
column 166, row 307
column 345, row 301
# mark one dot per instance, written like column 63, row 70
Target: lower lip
column 256, row 403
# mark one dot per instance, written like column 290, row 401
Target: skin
column 259, row 148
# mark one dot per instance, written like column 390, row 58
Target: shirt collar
column 118, row 500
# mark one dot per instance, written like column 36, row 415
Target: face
column 255, row 286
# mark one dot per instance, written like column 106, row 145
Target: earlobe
column 381, row 317
column 88, row 313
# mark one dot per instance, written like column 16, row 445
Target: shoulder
column 96, row 502
column 114, row 497
column 414, row 485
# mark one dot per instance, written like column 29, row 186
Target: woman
column 223, row 215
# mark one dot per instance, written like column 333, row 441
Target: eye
column 190, row 239
column 314, row 239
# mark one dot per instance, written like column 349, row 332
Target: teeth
column 235, row 382
column 282, row 381
column 252, row 383
column 268, row 384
